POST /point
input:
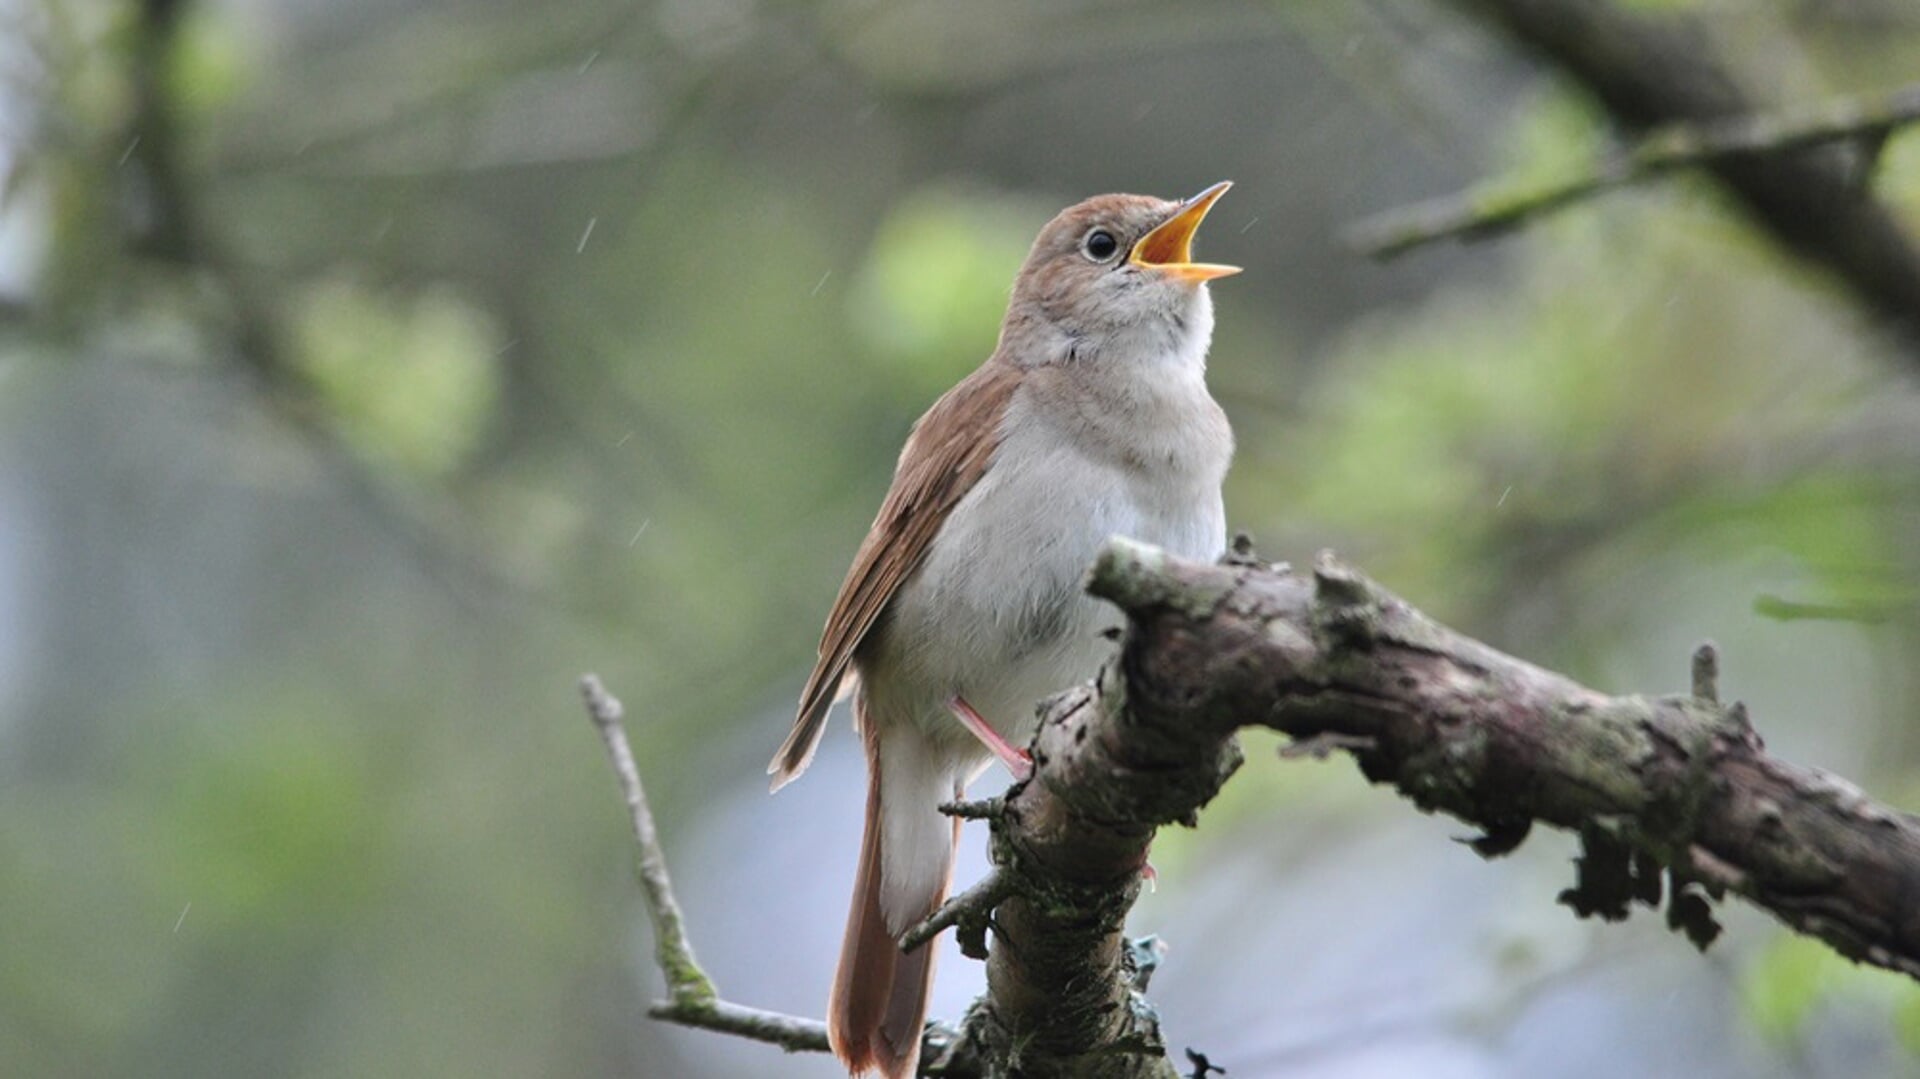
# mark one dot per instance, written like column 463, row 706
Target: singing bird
column 964, row 605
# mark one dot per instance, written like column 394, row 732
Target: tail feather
column 804, row 737
column 879, row 1001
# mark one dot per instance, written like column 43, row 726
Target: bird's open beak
column 1169, row 247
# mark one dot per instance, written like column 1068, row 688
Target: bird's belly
column 998, row 612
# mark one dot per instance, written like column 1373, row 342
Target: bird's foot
column 1016, row 759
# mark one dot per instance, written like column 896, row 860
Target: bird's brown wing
column 944, row 457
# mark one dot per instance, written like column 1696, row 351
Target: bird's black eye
column 1100, row 245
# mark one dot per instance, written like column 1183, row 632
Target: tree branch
column 1499, row 206
column 970, row 912
column 1675, row 791
column 1675, row 799
column 692, row 999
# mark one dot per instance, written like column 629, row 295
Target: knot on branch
column 1692, row 740
column 1706, row 673
column 1337, row 585
column 1240, row 552
column 1346, row 605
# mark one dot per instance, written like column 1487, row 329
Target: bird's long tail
column 906, row 865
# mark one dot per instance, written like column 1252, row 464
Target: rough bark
column 1676, row 791
column 1675, row 798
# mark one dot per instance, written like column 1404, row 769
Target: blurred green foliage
column 412, row 385
column 939, row 312
column 1793, row 977
column 510, row 344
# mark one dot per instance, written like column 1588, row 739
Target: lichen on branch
column 1671, row 795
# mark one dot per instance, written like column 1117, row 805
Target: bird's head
column 1114, row 276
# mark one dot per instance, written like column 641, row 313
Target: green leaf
column 1781, row 988
column 934, row 286
column 411, row 382
column 1795, row 977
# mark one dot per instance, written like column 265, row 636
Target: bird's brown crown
column 1067, row 255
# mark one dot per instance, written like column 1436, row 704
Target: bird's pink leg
column 1014, row 758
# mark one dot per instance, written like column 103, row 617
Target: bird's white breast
column 997, row 612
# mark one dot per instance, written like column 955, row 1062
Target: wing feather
column 946, row 454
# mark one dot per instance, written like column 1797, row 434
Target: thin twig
column 695, row 1002
column 790, row 1032
column 1499, row 206
column 985, row 809
column 972, row 905
column 1706, row 673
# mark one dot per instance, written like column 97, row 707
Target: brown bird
column 964, row 605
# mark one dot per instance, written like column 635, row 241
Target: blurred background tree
column 372, row 369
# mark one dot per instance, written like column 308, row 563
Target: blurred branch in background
column 1497, row 206
column 1652, row 72
column 165, row 223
